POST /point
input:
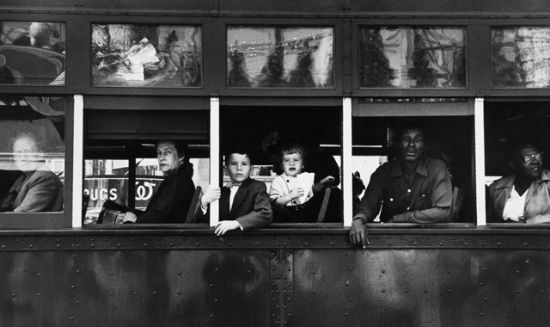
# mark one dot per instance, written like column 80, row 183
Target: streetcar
column 97, row 84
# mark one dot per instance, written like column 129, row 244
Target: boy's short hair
column 293, row 148
column 230, row 152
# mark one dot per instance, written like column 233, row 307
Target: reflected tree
column 237, row 77
column 272, row 72
column 301, row 76
column 375, row 67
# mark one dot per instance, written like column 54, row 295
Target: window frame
column 52, row 220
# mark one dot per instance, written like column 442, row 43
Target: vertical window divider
column 78, row 159
column 214, row 155
column 347, row 161
column 479, row 135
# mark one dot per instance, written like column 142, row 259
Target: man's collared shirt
column 537, row 202
column 426, row 200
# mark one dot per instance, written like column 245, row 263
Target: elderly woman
column 38, row 189
column 171, row 201
column 524, row 196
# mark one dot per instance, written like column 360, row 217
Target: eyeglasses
column 529, row 157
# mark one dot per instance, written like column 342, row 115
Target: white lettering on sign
column 144, row 192
column 102, row 194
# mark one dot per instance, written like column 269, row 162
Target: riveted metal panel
column 421, row 288
column 274, row 278
column 134, row 288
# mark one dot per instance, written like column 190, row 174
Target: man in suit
column 244, row 203
column 38, row 189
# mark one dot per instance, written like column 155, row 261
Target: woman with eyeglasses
column 523, row 197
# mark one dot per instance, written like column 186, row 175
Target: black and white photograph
column 313, row 163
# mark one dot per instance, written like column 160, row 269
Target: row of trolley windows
column 171, row 56
column 123, row 170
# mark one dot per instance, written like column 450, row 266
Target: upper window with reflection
column 32, row 154
column 412, row 57
column 267, row 57
column 32, row 53
column 131, row 55
column 521, row 56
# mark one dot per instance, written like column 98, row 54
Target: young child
column 291, row 190
column 244, row 203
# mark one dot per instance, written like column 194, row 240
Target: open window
column 311, row 133
column 121, row 164
column 447, row 126
column 515, row 144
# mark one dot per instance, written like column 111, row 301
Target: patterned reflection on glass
column 266, row 57
column 521, row 57
column 32, row 53
column 406, row 57
column 146, row 55
column 32, row 154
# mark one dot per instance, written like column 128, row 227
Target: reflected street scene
column 406, row 57
column 521, row 57
column 32, row 53
column 264, row 57
column 146, row 55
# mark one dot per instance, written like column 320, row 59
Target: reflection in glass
column 104, row 179
column 32, row 154
column 32, row 53
column 280, row 57
column 146, row 55
column 521, row 56
column 412, row 57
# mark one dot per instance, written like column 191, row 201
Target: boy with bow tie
column 244, row 204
